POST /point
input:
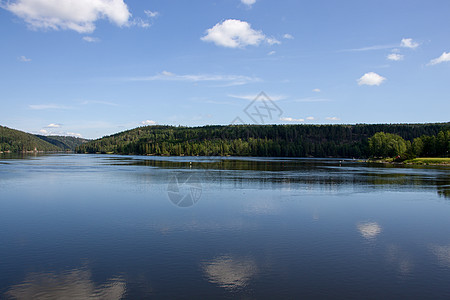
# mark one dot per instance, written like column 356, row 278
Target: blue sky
column 96, row 67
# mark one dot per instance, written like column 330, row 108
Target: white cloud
column 24, row 59
column 370, row 48
column 236, row 34
column 273, row 41
column 248, row 2
column 288, row 119
column 151, row 14
column 148, row 122
column 332, row 119
column 371, row 78
column 271, row 53
column 288, row 36
column 406, row 43
column 312, row 99
column 395, row 56
column 79, row 15
column 209, row 101
column 252, row 97
column 167, row 73
column 445, row 57
column 53, row 125
column 169, row 76
column 139, row 23
column 316, row 90
column 59, row 133
column 48, row 106
column 310, row 118
column 91, row 39
column 409, row 43
column 88, row 102
column 73, row 134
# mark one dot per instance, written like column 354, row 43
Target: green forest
column 384, row 145
column 12, row 140
column 346, row 141
column 399, row 141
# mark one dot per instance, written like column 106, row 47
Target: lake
column 129, row 227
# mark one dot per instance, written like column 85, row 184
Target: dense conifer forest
column 271, row 140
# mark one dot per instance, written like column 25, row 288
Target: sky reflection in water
column 252, row 228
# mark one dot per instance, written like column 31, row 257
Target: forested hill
column 63, row 142
column 255, row 140
column 19, row 141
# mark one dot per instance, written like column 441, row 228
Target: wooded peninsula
column 400, row 141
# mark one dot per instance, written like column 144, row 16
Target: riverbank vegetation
column 385, row 145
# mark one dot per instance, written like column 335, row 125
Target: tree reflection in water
column 325, row 174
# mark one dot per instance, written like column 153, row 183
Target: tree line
column 257, row 140
column 385, row 145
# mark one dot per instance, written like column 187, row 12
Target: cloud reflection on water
column 442, row 253
column 400, row 259
column 229, row 272
column 73, row 284
column 369, row 230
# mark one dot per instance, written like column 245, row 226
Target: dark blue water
column 112, row 227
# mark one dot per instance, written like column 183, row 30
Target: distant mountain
column 64, row 142
column 19, row 141
column 255, row 140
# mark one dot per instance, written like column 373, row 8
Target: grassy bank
column 429, row 161
column 432, row 161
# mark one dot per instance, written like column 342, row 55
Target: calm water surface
column 124, row 227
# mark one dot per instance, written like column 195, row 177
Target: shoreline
column 420, row 161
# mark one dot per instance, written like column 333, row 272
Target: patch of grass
column 430, row 161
